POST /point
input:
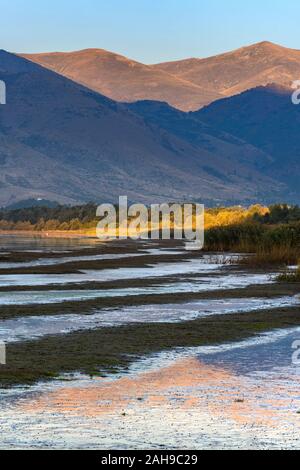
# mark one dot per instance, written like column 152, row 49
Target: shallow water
column 71, row 259
column 183, row 399
column 234, row 395
column 40, row 244
column 35, row 327
column 157, row 270
column 199, row 284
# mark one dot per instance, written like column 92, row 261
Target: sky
column 149, row 31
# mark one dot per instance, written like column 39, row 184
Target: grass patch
column 290, row 276
column 275, row 256
column 277, row 245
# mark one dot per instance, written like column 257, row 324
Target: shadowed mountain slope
column 229, row 155
column 266, row 118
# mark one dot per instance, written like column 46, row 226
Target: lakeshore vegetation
column 272, row 233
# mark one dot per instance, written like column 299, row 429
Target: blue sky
column 147, row 30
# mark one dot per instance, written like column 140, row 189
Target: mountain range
column 63, row 140
column 186, row 84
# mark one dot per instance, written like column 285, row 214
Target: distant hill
column 123, row 79
column 29, row 203
column 245, row 68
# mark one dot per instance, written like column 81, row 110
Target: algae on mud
column 98, row 352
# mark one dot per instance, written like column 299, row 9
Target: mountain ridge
column 187, row 84
column 123, row 79
column 236, row 71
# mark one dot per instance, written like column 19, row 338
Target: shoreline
column 51, row 234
